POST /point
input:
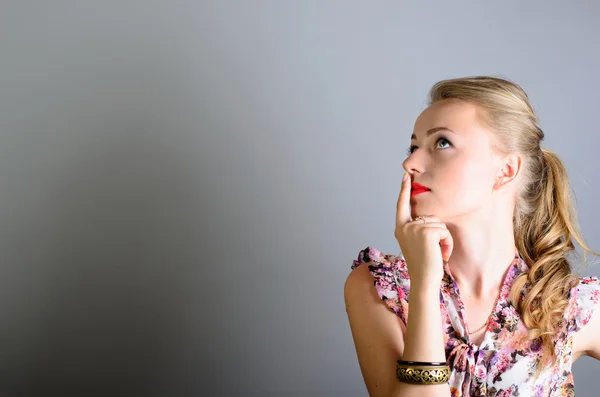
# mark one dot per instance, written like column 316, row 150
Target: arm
column 587, row 340
column 379, row 336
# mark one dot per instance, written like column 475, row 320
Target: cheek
column 467, row 184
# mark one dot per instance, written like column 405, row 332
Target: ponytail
column 544, row 218
column 544, row 230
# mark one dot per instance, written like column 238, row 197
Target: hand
column 424, row 245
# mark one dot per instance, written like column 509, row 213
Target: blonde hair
column 544, row 219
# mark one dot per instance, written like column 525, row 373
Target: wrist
column 425, row 290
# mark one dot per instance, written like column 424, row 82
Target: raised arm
column 587, row 340
column 379, row 337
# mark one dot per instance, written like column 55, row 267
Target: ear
column 509, row 170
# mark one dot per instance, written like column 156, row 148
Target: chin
column 425, row 211
column 416, row 210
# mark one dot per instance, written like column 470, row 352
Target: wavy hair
column 544, row 219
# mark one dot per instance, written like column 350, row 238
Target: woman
column 484, row 223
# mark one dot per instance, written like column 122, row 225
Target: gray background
column 184, row 185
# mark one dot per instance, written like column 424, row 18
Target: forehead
column 462, row 117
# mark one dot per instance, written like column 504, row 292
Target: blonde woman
column 482, row 300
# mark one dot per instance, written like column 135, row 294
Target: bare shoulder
column 378, row 333
column 587, row 340
column 586, row 319
column 358, row 282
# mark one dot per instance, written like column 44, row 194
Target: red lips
column 416, row 188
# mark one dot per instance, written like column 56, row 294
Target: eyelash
column 412, row 148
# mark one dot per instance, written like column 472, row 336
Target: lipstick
column 417, row 188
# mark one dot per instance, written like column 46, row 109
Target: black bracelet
column 428, row 363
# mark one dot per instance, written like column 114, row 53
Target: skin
column 473, row 190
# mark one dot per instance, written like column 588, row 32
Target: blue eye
column 444, row 140
column 412, row 148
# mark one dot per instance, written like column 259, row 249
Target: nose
column 412, row 164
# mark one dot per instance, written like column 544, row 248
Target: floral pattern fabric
column 504, row 364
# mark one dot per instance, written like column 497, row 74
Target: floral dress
column 505, row 362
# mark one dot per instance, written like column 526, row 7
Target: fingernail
column 405, row 176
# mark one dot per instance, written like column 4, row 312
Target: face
column 451, row 154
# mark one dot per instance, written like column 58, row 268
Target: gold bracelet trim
column 423, row 375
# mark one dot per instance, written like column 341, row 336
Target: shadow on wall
column 106, row 315
column 109, row 210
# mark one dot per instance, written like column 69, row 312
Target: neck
column 483, row 250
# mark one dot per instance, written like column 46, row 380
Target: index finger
column 403, row 204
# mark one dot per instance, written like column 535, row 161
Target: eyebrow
column 432, row 131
